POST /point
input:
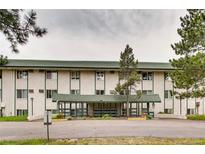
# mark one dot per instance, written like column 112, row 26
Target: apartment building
column 86, row 88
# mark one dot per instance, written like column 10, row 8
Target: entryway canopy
column 150, row 98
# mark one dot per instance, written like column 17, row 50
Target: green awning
column 150, row 98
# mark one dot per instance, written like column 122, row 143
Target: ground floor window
column 73, row 109
column 190, row 111
column 21, row 112
column 168, row 111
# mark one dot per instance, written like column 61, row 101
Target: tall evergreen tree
column 189, row 68
column 18, row 25
column 128, row 73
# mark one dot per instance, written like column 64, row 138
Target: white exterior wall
column 87, row 86
column 63, row 82
column 111, row 80
column 159, row 89
column 36, row 81
column 8, row 92
column 87, row 83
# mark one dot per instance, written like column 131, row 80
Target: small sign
column 48, row 117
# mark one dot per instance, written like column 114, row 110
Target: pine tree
column 18, row 25
column 128, row 72
column 189, row 68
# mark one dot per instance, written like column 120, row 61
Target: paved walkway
column 103, row 128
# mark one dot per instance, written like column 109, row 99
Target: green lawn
column 110, row 141
column 14, row 118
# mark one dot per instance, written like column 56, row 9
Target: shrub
column 60, row 116
column 196, row 117
column 106, row 117
column 14, row 118
column 148, row 117
column 69, row 118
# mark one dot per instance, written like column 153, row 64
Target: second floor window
column 99, row 75
column 49, row 93
column 51, row 75
column 168, row 94
column 75, row 91
column 100, row 92
column 75, row 75
column 22, row 93
column 167, row 76
column 147, row 75
column 22, row 74
column 147, row 92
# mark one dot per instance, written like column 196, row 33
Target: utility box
column 47, row 117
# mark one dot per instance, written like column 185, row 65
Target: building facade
column 29, row 86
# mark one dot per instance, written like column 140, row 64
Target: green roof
column 105, row 98
column 81, row 64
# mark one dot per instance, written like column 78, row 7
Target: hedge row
column 196, row 117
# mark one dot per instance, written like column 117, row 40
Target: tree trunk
column 128, row 111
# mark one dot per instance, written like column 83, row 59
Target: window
column 168, row 111
column 41, row 91
column 147, row 92
column 51, row 75
column 112, row 92
column 147, row 75
column 21, row 93
column 168, row 94
column 190, row 111
column 99, row 75
column 31, row 91
column 100, row 92
column 75, row 75
column 0, row 74
column 167, row 76
column 49, row 93
column 75, row 91
column 22, row 112
column 22, row 74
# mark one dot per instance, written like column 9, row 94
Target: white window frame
column 75, row 75
column 169, row 94
column 148, row 76
column 51, row 91
column 75, row 91
column 22, row 74
column 21, row 93
column 100, row 92
column 100, row 76
column 53, row 75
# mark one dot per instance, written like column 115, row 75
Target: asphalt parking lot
column 103, row 128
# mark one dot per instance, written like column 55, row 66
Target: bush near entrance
column 196, row 117
column 14, row 118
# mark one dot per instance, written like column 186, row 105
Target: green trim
column 45, row 90
column 106, row 98
column 82, row 64
column 14, row 92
